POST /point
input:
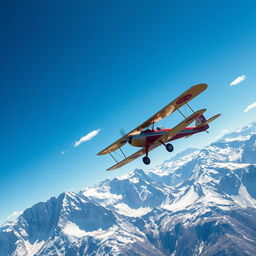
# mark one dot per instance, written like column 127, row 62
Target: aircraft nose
column 130, row 140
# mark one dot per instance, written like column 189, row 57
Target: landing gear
column 146, row 160
column 169, row 147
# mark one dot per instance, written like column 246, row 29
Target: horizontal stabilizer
column 208, row 121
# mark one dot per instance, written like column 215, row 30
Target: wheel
column 169, row 147
column 146, row 160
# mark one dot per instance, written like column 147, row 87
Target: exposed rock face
column 199, row 203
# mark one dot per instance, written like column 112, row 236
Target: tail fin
column 203, row 121
column 200, row 120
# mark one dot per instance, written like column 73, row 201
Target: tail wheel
column 146, row 160
column 169, row 147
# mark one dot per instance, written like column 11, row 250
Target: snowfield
column 200, row 202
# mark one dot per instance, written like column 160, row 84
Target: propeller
column 123, row 133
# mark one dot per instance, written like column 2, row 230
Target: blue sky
column 69, row 68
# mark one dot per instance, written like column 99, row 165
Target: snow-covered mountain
column 200, row 202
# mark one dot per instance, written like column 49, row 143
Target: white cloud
column 87, row 137
column 249, row 107
column 238, row 80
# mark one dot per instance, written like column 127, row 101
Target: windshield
column 159, row 128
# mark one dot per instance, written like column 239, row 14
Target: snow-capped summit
column 133, row 194
column 225, row 150
column 241, row 133
column 200, row 202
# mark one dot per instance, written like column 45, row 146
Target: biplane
column 149, row 137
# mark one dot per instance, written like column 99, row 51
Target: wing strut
column 122, row 152
column 182, row 114
column 112, row 156
column 115, row 158
column 190, row 108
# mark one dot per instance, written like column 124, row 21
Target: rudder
column 199, row 123
column 200, row 120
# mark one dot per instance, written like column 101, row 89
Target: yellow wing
column 164, row 138
column 132, row 157
column 127, row 160
column 116, row 145
column 164, row 112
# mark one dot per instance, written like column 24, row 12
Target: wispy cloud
column 249, row 107
column 87, row 137
column 238, row 80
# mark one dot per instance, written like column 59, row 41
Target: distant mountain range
column 200, row 202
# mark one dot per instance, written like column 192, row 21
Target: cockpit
column 147, row 130
column 158, row 128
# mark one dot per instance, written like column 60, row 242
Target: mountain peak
column 240, row 134
column 199, row 202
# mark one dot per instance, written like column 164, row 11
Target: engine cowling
column 130, row 140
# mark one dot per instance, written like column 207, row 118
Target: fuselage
column 151, row 135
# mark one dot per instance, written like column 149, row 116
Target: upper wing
column 173, row 106
column 164, row 112
column 164, row 138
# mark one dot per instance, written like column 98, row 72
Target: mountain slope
column 201, row 202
